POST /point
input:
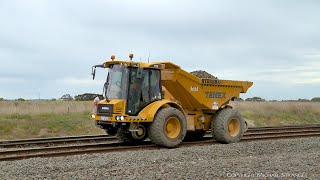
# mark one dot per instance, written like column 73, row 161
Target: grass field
column 279, row 113
column 56, row 118
column 44, row 119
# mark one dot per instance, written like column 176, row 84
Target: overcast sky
column 48, row 47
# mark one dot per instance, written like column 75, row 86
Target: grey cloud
column 44, row 42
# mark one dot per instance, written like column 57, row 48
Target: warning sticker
column 215, row 106
column 194, row 88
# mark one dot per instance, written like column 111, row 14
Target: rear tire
column 228, row 126
column 168, row 128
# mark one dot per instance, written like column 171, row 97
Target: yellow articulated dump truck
column 166, row 104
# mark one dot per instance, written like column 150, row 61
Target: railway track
column 253, row 134
column 54, row 141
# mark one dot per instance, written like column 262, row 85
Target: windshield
column 117, row 82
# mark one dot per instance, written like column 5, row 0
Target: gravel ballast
column 291, row 158
column 203, row 74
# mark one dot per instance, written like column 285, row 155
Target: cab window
column 144, row 90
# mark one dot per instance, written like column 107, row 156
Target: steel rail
column 52, row 138
column 52, row 142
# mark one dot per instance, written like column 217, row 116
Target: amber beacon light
column 113, row 57
column 131, row 56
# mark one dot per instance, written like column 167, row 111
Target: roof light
column 113, row 57
column 131, row 56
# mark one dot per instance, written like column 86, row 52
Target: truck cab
column 129, row 88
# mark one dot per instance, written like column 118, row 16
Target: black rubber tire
column 145, row 134
column 194, row 135
column 156, row 129
column 219, row 126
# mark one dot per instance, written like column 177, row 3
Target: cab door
column 143, row 89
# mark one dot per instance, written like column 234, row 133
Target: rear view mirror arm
column 93, row 70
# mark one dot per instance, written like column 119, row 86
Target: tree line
column 81, row 97
column 259, row 99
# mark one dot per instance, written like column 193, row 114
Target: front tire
column 168, row 128
column 228, row 126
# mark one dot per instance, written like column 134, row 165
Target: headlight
column 119, row 118
column 93, row 116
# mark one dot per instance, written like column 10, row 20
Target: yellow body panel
column 150, row 111
column 118, row 105
column 196, row 93
column 145, row 115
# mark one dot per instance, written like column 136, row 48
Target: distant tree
column 237, row 99
column 87, row 97
column 315, row 99
column 66, row 97
column 273, row 100
column 21, row 99
column 1, row 99
column 53, row 99
column 303, row 100
column 259, row 99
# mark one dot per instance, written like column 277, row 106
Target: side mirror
column 93, row 73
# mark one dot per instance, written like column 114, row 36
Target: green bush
column 316, row 99
column 87, row 97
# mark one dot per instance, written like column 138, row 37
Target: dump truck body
column 200, row 96
column 141, row 97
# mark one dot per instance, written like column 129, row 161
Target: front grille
column 105, row 108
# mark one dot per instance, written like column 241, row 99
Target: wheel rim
column 234, row 127
column 172, row 127
column 140, row 134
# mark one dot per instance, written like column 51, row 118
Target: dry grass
column 274, row 107
column 34, row 107
column 280, row 113
column 43, row 119
column 46, row 125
